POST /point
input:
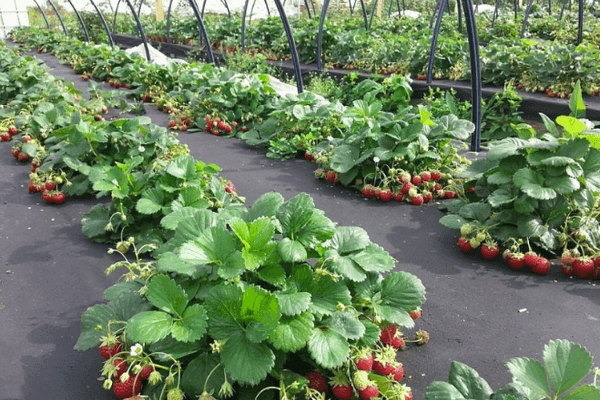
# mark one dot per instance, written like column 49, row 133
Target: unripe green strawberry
column 481, row 237
column 123, row 246
column 465, row 230
column 175, row 394
column 474, row 243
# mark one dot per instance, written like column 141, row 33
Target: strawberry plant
column 565, row 366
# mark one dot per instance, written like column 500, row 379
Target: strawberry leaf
column 166, row 295
column 192, row 325
column 256, row 236
column 371, row 335
column 172, row 220
column 346, row 323
column 328, row 347
column 374, row 259
column 223, row 304
column 199, row 371
column 183, row 167
column 442, row 391
column 344, row 266
column 174, row 348
column 468, row 382
column 293, row 332
column 293, row 302
column 98, row 314
column 265, row 206
column 93, row 222
column 586, row 392
column 566, row 364
column 260, row 310
column 246, row 362
column 326, row 294
column 531, row 374
column 291, row 251
column 347, row 239
column 452, row 221
column 403, row 291
column 151, row 202
column 300, row 221
column 170, row 262
column 149, row 326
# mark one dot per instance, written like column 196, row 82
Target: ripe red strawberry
column 12, row 130
column 59, row 198
column 5, row 137
column 146, row 371
column 183, row 128
column 515, row 261
column 542, row 266
column 382, row 369
column 23, row 157
column 332, row 176
column 50, row 185
column 229, row 188
column 343, row 392
column 172, row 124
column 228, row 128
column 438, row 187
column 583, row 267
column 387, row 334
column 417, row 200
column 398, row 373
column 368, row 192
column 399, row 197
column 365, row 363
column 415, row 314
column 398, row 343
column 489, row 251
column 421, row 77
column 216, row 132
column 386, row 195
column 436, row 176
column 464, row 245
column 121, row 366
column 426, row 176
column 597, row 261
column 127, row 389
column 404, row 177
column 369, row 392
column 32, row 188
column 449, row 194
column 567, row 269
column 567, row 257
column 317, row 381
column 107, row 352
column 530, row 259
column 406, row 187
column 416, row 180
column 308, row 156
column 427, row 196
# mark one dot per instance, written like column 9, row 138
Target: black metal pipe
column 169, row 21
column 85, row 31
column 434, row 38
column 320, row 38
column 224, row 2
column 562, row 10
column 516, row 10
column 495, row 15
column 459, row 12
column 59, row 17
column 140, row 29
column 293, row 50
column 438, row 6
column 204, row 35
column 372, row 14
column 307, row 9
column 475, row 72
column 268, row 10
column 104, row 24
column 244, row 11
column 364, row 11
column 527, row 12
column 114, row 24
column 580, row 23
column 203, row 7
column 139, row 11
column 43, row 14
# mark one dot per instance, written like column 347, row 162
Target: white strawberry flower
column 136, row 350
column 330, row 138
column 376, row 159
column 141, row 149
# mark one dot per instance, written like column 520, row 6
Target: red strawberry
column 22, row 157
column 369, row 392
column 489, row 251
column 343, row 392
column 26, row 139
column 365, row 363
column 228, row 128
column 567, row 257
column 121, row 366
column 464, row 245
column 567, row 269
column 542, row 266
column 317, row 381
column 5, row 137
column 416, row 180
column 597, row 261
column 515, row 261
column 50, row 185
column 398, row 343
column 59, row 198
column 386, row 195
column 399, row 197
column 32, row 188
column 183, row 128
column 449, row 194
column 406, row 188
column 436, row 176
column 427, row 196
column 12, row 130
column 332, row 176
column 421, row 77
column 415, row 314
column 530, row 259
column 146, row 371
column 127, row 389
column 367, row 191
column 107, row 352
column 377, row 192
column 417, row 200
column 308, row 156
column 437, row 187
column 382, row 369
column 425, row 176
column 398, row 373
column 387, row 334
column 583, row 267
column 47, row 197
column 172, row 124
column 229, row 188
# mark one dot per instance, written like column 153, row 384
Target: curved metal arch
column 527, row 12
column 43, row 14
column 364, row 11
column 459, row 12
column 320, row 38
column 104, row 24
column 495, row 15
column 580, row 23
column 59, row 17
column 85, row 31
column 562, row 10
column 476, row 81
column 140, row 29
column 203, row 32
column 169, row 21
column 434, row 38
column 436, row 10
column 114, row 23
column 244, row 12
column 293, row 50
column 372, row 14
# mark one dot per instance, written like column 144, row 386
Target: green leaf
column 256, row 237
column 563, row 184
column 452, row 221
column 347, row 239
column 199, row 371
column 260, row 309
column 371, row 335
column 246, row 362
column 223, row 306
column 149, row 326
column 500, row 197
column 576, row 104
column 326, row 294
column 93, row 223
column 571, row 124
column 166, row 295
column 293, row 332
column 549, row 124
column 293, row 303
column 265, row 206
column 442, row 391
column 151, row 201
column 175, row 348
column 291, row 251
column 344, row 266
column 476, row 211
column 183, row 167
column 566, row 364
column 525, row 204
column 343, row 158
column 328, row 347
column 214, row 246
column 346, row 323
column 531, row 374
column 374, row 259
column 98, row 314
column 402, row 290
column 468, row 382
column 172, row 220
column 394, row 315
column 170, row 262
column 192, row 326
column 586, row 392
column 303, row 223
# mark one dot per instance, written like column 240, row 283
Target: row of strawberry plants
column 277, row 286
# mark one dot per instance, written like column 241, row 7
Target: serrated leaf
column 452, row 221
column 98, row 314
column 531, row 374
column 374, row 259
column 476, row 211
column 371, row 335
column 293, row 303
column 151, row 201
column 326, row 294
column 93, row 223
column 265, row 206
column 499, row 178
column 172, row 220
column 166, row 295
column 468, row 382
column 149, row 326
column 586, row 392
column 170, row 262
column 563, row 184
column 246, row 362
column 183, row 167
column 192, row 325
column 394, row 315
column 347, row 239
column 174, row 348
column 346, row 323
column 260, row 310
column 344, row 158
column 442, row 391
column 302, row 222
column 328, row 347
column 538, row 192
column 344, row 266
column 199, row 371
column 291, row 251
column 213, row 245
column 525, row 204
column 293, row 332
column 500, row 197
column 402, row 290
column 223, row 305
column 571, row 124
column 566, row 364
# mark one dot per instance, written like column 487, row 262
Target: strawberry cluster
column 47, row 184
column 218, row 126
column 6, row 135
column 580, row 266
column 181, row 122
column 117, row 84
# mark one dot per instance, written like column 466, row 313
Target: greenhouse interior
column 300, row 199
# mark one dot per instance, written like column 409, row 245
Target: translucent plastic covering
column 13, row 13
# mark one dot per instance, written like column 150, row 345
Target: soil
column 477, row 312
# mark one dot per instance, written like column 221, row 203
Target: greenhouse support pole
column 140, row 29
column 320, row 38
column 495, row 15
column 307, row 9
column 293, row 50
column 580, row 23
column 104, row 24
column 203, row 7
column 244, row 11
column 527, row 12
column 43, row 14
column 364, row 11
column 475, row 72
column 85, row 31
column 372, row 14
column 562, row 9
column 59, row 17
column 169, row 21
column 139, row 11
column 211, row 57
column 268, row 10
column 114, row 24
column 438, row 7
column 459, row 12
column 516, row 10
column 224, row 2
column 434, row 38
